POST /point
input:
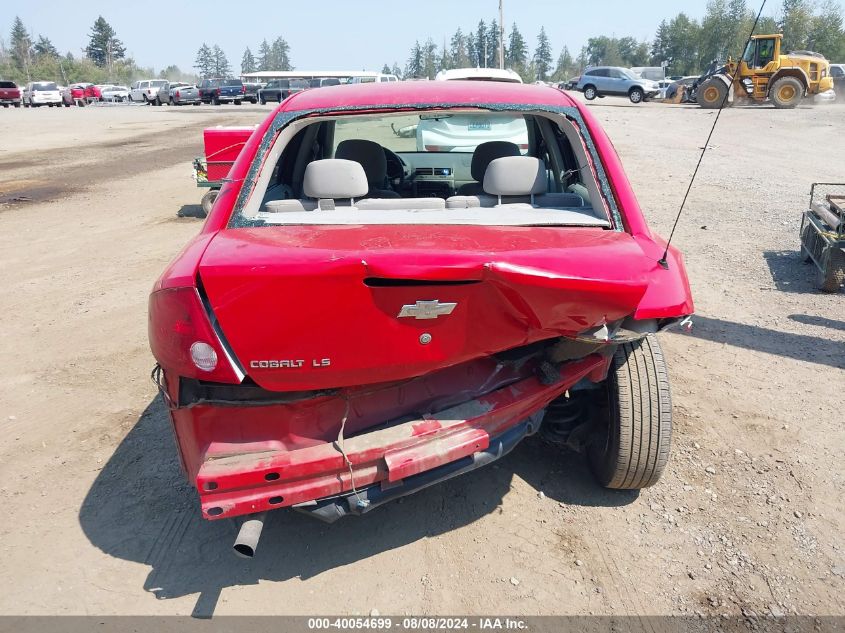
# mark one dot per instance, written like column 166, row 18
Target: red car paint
column 299, row 296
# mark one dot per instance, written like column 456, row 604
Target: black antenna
column 662, row 261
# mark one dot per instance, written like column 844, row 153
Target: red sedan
column 75, row 94
column 359, row 319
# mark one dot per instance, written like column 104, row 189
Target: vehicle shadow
column 191, row 211
column 811, row 349
column 790, row 272
column 141, row 509
column 809, row 319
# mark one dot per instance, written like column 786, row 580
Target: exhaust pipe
column 247, row 541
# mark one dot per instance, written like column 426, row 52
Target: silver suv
column 600, row 81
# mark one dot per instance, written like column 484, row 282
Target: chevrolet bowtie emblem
column 427, row 309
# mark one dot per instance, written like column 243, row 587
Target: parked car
column 331, row 341
column 457, row 133
column 251, row 91
column 569, row 84
column 145, row 91
column 374, row 78
column 114, row 93
column 837, row 72
column 38, row 93
column 221, row 90
column 93, row 93
column 319, row 82
column 601, row 81
column 10, row 94
column 74, row 94
column 280, row 89
column 165, row 93
column 184, row 95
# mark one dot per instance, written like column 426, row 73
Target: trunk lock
column 425, row 338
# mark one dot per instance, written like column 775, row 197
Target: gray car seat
column 370, row 155
column 483, row 155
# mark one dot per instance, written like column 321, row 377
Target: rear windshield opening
column 430, row 168
column 45, row 86
column 231, row 82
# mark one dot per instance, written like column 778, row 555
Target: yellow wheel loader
column 765, row 74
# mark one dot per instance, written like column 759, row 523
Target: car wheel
column 263, row 101
column 208, row 201
column 18, row 105
column 590, row 93
column 237, row 102
column 636, row 95
column 631, row 449
column 787, row 92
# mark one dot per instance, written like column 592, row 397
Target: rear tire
column 207, row 201
column 711, row 94
column 237, row 102
column 786, row 93
column 590, row 93
column 632, row 449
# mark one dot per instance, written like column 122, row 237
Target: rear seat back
column 515, row 180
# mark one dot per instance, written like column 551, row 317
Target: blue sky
column 329, row 34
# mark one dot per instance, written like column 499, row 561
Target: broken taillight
column 183, row 340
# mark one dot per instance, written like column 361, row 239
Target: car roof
column 428, row 93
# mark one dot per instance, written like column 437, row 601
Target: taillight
column 218, row 91
column 182, row 339
column 177, row 94
column 243, row 90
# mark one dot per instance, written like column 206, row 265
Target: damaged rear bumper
column 386, row 463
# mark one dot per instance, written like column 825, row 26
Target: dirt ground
column 748, row 518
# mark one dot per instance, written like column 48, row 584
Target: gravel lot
column 747, row 520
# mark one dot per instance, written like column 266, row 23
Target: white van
column 374, row 78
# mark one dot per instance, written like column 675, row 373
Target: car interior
column 368, row 169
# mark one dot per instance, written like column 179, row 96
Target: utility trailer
column 823, row 234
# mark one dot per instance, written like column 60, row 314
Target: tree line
column 212, row 61
column 687, row 45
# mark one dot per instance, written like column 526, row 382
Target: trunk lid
column 315, row 307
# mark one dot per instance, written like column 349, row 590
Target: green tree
column 265, row 56
column 103, row 46
column 396, row 70
column 45, row 47
column 683, row 37
column 414, row 67
column 660, row 45
column 281, row 55
column 492, row 42
column 248, row 62
column 204, row 63
column 826, row 35
column 429, row 59
column 458, row 54
column 221, row 66
column 480, row 45
column 517, row 53
column 565, row 67
column 21, row 48
column 717, row 31
column 796, row 23
column 543, row 56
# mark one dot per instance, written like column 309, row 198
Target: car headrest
column 489, row 151
column 334, row 178
column 369, row 154
column 515, row 176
